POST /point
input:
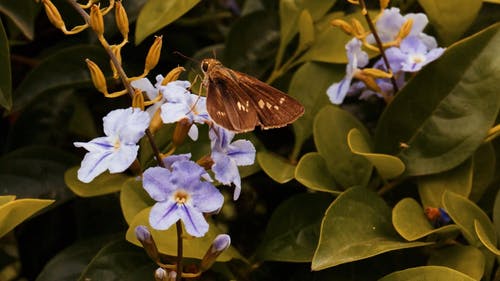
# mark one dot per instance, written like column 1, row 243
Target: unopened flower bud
column 121, row 19
column 138, row 99
column 172, row 75
column 384, row 4
column 97, row 76
column 156, row 122
column 96, row 20
column 405, row 29
column 219, row 245
column 181, row 131
column 376, row 73
column 153, row 54
column 345, row 26
column 148, row 243
column 368, row 80
column 357, row 27
column 206, row 162
column 53, row 14
column 161, row 274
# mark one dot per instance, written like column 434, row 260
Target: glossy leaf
column 311, row 95
column 496, row 214
column 387, row 166
column 103, row 184
column 485, row 238
column 68, row 63
column 357, row 225
column 306, row 31
column 444, row 112
column 293, row 230
column 289, row 13
column 36, row 172
column 5, row 73
column 133, row 199
column 410, row 221
column 457, row 180
column 167, row 240
column 451, row 18
column 466, row 259
column 119, row 261
column 22, row 13
column 464, row 212
column 157, row 14
column 331, row 126
column 278, row 168
column 427, row 273
column 483, row 172
column 312, row 172
column 15, row 212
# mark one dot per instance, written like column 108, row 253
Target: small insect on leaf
column 239, row 102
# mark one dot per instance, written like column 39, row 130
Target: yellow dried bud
column 384, row 4
column 345, row 26
column 121, row 19
column 405, row 29
column 153, row 55
column 156, row 122
column 181, row 131
column 206, row 162
column 355, row 2
column 368, row 80
column 97, row 77
column 357, row 28
column 96, row 20
column 376, row 73
column 53, row 14
column 172, row 75
column 138, row 99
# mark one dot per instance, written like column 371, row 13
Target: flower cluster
column 407, row 49
column 182, row 188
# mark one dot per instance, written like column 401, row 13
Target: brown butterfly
column 239, row 102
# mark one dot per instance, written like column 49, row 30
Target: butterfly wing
column 274, row 108
column 227, row 103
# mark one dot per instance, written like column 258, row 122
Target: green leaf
column 133, row 199
column 17, row 211
column 69, row 264
column 167, row 240
column 387, row 166
column 451, row 18
column 5, row 73
column 466, row 259
column 427, row 273
column 64, row 69
column 331, row 126
column 293, row 230
column 306, row 31
column 312, row 172
column 444, row 112
column 357, row 225
column 157, row 14
column 311, row 95
column 410, row 221
column 458, row 180
column 485, row 238
column 464, row 212
column 119, row 261
column 483, row 173
column 276, row 167
column 317, row 8
column 496, row 214
column 36, row 172
column 289, row 14
column 103, row 184
column 22, row 13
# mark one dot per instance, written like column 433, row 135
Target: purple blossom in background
column 180, row 104
column 181, row 194
column 227, row 156
column 356, row 58
column 390, row 22
column 412, row 55
column 118, row 149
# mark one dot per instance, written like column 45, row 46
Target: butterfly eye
column 204, row 66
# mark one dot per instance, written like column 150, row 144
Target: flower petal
column 156, row 182
column 133, row 126
column 337, row 91
column 193, row 132
column 172, row 112
column 123, row 158
column 145, row 85
column 168, row 161
column 206, row 198
column 97, row 144
column 164, row 214
column 226, row 172
column 242, row 152
column 93, row 164
column 186, row 174
column 193, row 220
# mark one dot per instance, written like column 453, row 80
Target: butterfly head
column 208, row 64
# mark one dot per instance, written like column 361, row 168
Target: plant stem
column 178, row 226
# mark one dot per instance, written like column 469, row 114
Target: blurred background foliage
column 48, row 102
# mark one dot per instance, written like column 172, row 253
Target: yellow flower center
column 181, row 196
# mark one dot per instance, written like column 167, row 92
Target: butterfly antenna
column 186, row 57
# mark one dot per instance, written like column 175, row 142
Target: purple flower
column 390, row 22
column 356, row 58
column 151, row 91
column 181, row 104
column 412, row 55
column 118, row 149
column 227, row 156
column 180, row 194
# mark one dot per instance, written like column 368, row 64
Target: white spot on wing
column 276, row 107
column 268, row 105
column 261, row 103
column 282, row 100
